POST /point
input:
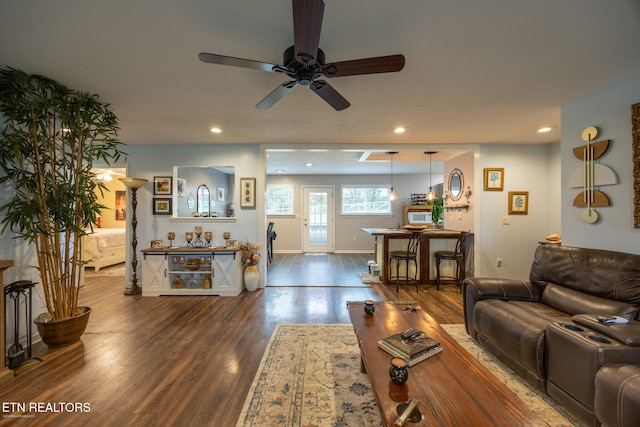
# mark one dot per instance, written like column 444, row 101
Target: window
column 279, row 200
column 363, row 200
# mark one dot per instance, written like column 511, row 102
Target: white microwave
column 419, row 217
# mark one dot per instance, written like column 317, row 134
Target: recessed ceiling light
column 399, row 130
column 279, row 170
column 308, row 164
column 545, row 129
column 216, row 130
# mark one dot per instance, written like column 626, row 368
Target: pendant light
column 430, row 195
column 392, row 193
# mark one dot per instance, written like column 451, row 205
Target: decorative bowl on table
column 193, row 264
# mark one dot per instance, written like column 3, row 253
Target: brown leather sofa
column 546, row 328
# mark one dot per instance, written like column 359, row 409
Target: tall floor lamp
column 133, row 184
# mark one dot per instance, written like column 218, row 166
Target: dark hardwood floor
column 317, row 269
column 181, row 360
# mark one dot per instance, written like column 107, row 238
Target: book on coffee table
column 412, row 345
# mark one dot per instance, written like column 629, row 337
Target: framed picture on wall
column 156, row 244
column 181, row 187
column 493, row 179
column 121, row 205
column 161, row 206
column 247, row 192
column 518, row 202
column 162, row 185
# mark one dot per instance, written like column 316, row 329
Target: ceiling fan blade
column 212, row 58
column 325, row 91
column 307, row 23
column 277, row 94
column 380, row 64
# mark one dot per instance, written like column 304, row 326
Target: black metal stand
column 17, row 355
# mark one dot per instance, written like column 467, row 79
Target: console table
column 191, row 271
column 453, row 388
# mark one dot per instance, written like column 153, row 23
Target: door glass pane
column 318, row 218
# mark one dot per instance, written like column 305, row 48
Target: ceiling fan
column 305, row 63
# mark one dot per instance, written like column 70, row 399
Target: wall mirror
column 456, row 183
column 203, row 191
column 203, row 201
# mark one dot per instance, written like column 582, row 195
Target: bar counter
column 431, row 240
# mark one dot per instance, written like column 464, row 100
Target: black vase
column 369, row 308
column 398, row 371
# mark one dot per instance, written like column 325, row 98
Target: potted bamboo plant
column 50, row 139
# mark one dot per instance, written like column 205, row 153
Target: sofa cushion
column 518, row 327
column 607, row 274
column 576, row 302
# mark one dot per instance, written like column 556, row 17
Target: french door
column 318, row 221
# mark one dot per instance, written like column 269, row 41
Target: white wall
column 459, row 219
column 610, row 111
column 532, row 168
column 348, row 234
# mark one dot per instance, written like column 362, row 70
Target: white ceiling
column 491, row 71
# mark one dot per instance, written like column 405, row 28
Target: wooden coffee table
column 453, row 388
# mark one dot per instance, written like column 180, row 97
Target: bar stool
column 457, row 256
column 271, row 236
column 411, row 254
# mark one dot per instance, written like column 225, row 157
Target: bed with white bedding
column 104, row 247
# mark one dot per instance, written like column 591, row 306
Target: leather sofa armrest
column 475, row 289
column 626, row 333
column 505, row 289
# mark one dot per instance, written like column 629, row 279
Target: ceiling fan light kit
column 304, row 62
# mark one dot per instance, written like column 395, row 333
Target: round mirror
column 203, row 199
column 456, row 182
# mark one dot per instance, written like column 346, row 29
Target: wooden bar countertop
column 427, row 234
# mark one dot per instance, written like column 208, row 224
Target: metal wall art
column 591, row 174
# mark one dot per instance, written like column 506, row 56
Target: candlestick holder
column 198, row 242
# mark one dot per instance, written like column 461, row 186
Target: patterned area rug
column 554, row 414
column 310, row 376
